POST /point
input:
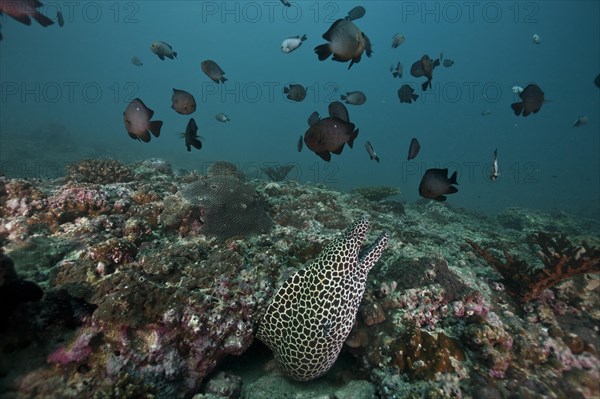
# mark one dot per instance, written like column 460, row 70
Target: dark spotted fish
column 23, row 11
column 295, row 92
column 413, row 149
column 424, row 67
column 191, row 135
column 406, row 94
column 328, row 135
column 183, row 102
column 346, row 43
column 356, row 13
column 532, row 100
column 137, row 121
column 371, row 151
column 213, row 71
column 435, row 183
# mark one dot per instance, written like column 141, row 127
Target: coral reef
column 139, row 300
column 99, row 171
column 376, row 193
column 560, row 258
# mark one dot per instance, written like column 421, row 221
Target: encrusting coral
column 561, row 260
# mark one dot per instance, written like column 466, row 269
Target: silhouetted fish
column 329, row 135
column 213, row 71
column 435, row 183
column 406, row 94
column 136, row 61
column 448, row 63
column 346, row 43
column 295, row 92
column 356, row 13
column 22, row 10
column 597, row 80
column 221, row 117
column 533, row 98
column 413, row 149
column 60, row 19
column 581, row 120
column 137, row 121
column 424, row 67
column 183, row 102
column 396, row 72
column 371, row 151
column 191, row 135
column 300, row 143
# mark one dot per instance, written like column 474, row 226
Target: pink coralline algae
column 77, row 352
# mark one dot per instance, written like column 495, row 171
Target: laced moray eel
column 311, row 315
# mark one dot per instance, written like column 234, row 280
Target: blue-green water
column 78, row 79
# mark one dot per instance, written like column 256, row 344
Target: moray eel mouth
column 310, row 316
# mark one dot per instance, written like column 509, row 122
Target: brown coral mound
column 99, row 171
column 560, row 257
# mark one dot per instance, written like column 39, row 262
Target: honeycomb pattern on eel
column 310, row 316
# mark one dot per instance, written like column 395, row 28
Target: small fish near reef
column 581, row 120
column 213, row 71
column 406, row 94
column 292, row 43
column 346, row 43
column 295, row 92
column 22, row 11
column 310, row 316
column 371, row 151
column 162, row 50
column 183, row 102
column 495, row 172
column 532, row 100
column 221, row 117
column 424, row 67
column 435, row 183
column 136, row 61
column 137, row 121
column 191, row 136
column 354, row 98
column 413, row 149
column 536, row 38
column 397, row 40
column 329, row 134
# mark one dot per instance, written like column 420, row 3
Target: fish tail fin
column 415, row 96
column 452, row 179
column 352, row 138
column 344, row 97
column 154, row 127
column 174, row 54
column 376, row 158
column 222, row 80
column 286, row 90
column 517, row 108
column 42, row 19
column 426, row 84
column 395, row 74
column 323, row 51
column 303, row 38
column 197, row 144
